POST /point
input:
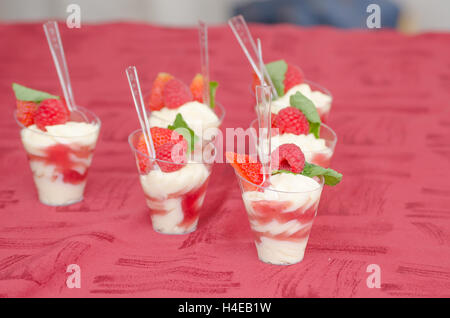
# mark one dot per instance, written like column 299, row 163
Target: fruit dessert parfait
column 175, row 181
column 169, row 97
column 281, row 206
column 59, row 143
column 301, row 125
column 288, row 80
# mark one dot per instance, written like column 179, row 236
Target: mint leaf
column 212, row 93
column 30, row 95
column 185, row 130
column 331, row 176
column 277, row 71
column 306, row 106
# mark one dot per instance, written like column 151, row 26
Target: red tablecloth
column 390, row 111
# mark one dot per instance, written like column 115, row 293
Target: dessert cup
column 60, row 161
column 174, row 198
column 281, row 221
column 319, row 155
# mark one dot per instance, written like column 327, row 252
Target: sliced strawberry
column 176, row 93
column 246, row 166
column 155, row 101
column 51, row 112
column 173, row 156
column 197, row 88
column 292, row 77
column 25, row 112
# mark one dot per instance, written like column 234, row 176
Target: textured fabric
column 391, row 114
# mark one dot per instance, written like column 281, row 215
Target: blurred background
column 405, row 15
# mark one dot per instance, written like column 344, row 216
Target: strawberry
column 160, row 137
column 155, row 101
column 173, row 156
column 51, row 112
column 288, row 157
column 290, row 120
column 197, row 88
column 246, row 166
column 176, row 93
column 292, row 77
column 25, row 112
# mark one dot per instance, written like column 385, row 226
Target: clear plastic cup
column 174, row 198
column 60, row 164
column 318, row 156
column 281, row 221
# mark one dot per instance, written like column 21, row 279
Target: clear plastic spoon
column 136, row 92
column 56, row 48
column 245, row 39
column 204, row 58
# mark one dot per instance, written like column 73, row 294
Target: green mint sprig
column 277, row 71
column 181, row 127
column 30, row 95
column 212, row 93
column 331, row 177
column 306, row 106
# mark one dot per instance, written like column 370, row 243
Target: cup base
column 176, row 233
column 63, row 204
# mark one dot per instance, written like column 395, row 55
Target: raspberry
column 197, row 88
column 25, row 112
column 173, row 156
column 288, row 157
column 160, row 137
column 155, row 101
column 290, row 120
column 246, row 166
column 292, row 77
column 51, row 112
column 176, row 93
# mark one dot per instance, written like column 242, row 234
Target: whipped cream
column 198, row 116
column 320, row 100
column 280, row 252
column 159, row 186
column 80, row 133
column 309, row 144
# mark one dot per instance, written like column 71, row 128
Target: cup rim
column 96, row 120
column 321, row 184
column 133, row 148
column 334, row 140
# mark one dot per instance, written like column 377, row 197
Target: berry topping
column 176, row 93
column 292, row 77
column 173, row 156
column 25, row 112
column 155, row 101
column 51, row 112
column 246, row 166
column 167, row 140
column 288, row 157
column 290, row 120
column 197, row 88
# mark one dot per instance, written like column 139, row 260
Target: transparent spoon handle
column 263, row 100
column 56, row 48
column 245, row 39
column 204, row 58
column 136, row 92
